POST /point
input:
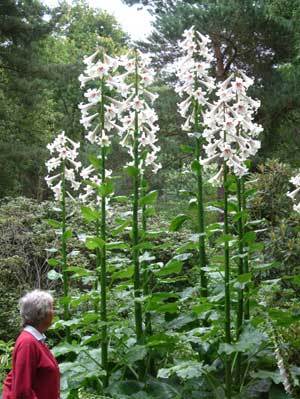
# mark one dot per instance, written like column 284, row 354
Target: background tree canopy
column 40, row 59
column 261, row 37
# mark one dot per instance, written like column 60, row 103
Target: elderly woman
column 35, row 372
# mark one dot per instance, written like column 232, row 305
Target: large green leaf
column 149, row 198
column 106, row 188
column 161, row 340
column 54, row 262
column 173, row 266
column 185, row 370
column 94, row 242
column 135, row 353
column 264, row 374
column 125, row 273
column 90, row 214
column 177, row 222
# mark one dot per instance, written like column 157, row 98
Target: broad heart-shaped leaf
column 53, row 275
column 53, row 262
column 94, row 242
column 249, row 342
column 173, row 266
column 85, row 368
column 149, row 198
column 184, row 370
column 171, row 307
column 135, row 353
column 161, row 340
column 64, row 348
column 123, row 274
column 263, row 374
column 54, row 223
column 160, row 302
column 90, row 214
column 106, row 188
column 178, row 221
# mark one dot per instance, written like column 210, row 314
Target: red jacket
column 35, row 372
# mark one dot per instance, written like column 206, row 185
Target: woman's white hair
column 35, row 306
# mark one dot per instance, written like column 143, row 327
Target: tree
column 257, row 36
column 39, row 90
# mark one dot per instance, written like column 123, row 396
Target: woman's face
column 48, row 319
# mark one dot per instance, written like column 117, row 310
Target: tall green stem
column 246, row 259
column 135, row 226
column 103, row 312
column 98, row 265
column 240, row 313
column 201, row 222
column 240, row 310
column 228, row 377
column 146, row 274
column 64, row 246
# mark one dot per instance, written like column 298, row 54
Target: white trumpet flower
column 137, row 109
column 65, row 153
column 230, row 129
column 295, row 194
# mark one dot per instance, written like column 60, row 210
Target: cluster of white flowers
column 230, row 130
column 90, row 195
column 284, row 372
column 192, row 71
column 96, row 71
column 65, row 153
column 137, row 111
column 102, row 73
column 293, row 195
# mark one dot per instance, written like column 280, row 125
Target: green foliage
column 5, row 358
column 280, row 225
column 179, row 339
column 39, row 88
